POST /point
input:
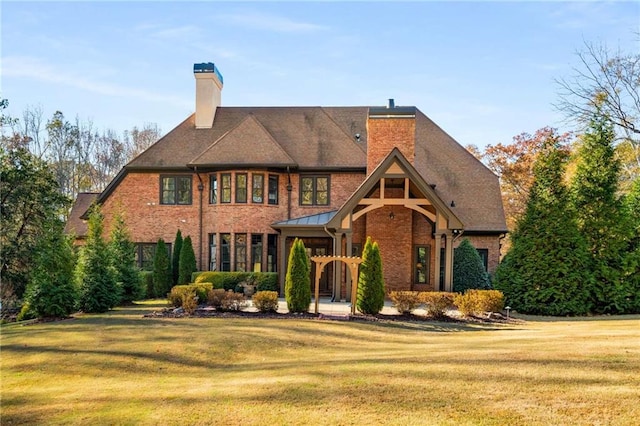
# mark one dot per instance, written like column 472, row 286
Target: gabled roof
column 323, row 139
column 395, row 161
column 311, row 138
column 247, row 144
column 75, row 224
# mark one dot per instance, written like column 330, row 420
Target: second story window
column 213, row 189
column 241, row 187
column 225, row 196
column 273, row 189
column 257, row 188
column 314, row 190
column 175, row 190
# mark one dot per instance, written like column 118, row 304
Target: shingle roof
column 313, row 137
column 75, row 225
column 323, row 138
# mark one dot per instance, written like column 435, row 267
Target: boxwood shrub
column 265, row 281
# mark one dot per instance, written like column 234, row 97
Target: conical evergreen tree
column 99, row 291
column 370, row 295
column 51, row 291
column 175, row 264
column 297, row 289
column 546, row 271
column 124, row 262
column 187, row 264
column 468, row 269
column 162, row 277
column 631, row 261
column 600, row 215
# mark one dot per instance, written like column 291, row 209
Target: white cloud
column 34, row 68
column 269, row 22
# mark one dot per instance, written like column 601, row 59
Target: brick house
column 243, row 182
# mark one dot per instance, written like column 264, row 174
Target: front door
column 320, row 247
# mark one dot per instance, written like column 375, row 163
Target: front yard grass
column 121, row 368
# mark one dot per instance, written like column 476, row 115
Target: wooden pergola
column 352, row 262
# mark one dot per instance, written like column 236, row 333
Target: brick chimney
column 208, row 93
column 387, row 128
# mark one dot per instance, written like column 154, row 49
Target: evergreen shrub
column 370, row 296
column 266, row 301
column 231, row 280
column 405, row 301
column 187, row 264
column 146, row 277
column 162, row 278
column 298, row 279
column 468, row 269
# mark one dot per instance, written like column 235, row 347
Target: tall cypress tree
column 468, row 269
column 162, row 277
column 370, row 296
column 297, row 287
column 187, row 264
column 175, row 264
column 99, row 291
column 124, row 262
column 546, row 271
column 600, row 215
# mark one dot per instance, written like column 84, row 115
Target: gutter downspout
column 201, row 190
column 289, row 189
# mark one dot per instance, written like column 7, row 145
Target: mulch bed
column 212, row 313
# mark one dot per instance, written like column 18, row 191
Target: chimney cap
column 207, row 67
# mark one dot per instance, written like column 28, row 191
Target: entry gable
column 247, row 144
column 395, row 171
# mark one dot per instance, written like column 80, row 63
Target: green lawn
column 121, row 368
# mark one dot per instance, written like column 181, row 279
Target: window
column 257, row 188
column 273, row 189
column 422, row 264
column 241, row 187
column 175, row 189
column 314, row 190
column 241, row 253
column 226, row 188
column 145, row 252
column 213, row 253
column 256, row 252
column 484, row 255
column 356, row 250
column 225, row 254
column 213, row 189
column 272, row 251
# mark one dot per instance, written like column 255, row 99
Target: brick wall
column 384, row 134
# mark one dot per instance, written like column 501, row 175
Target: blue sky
column 483, row 71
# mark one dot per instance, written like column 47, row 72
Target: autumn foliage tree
column 514, row 162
